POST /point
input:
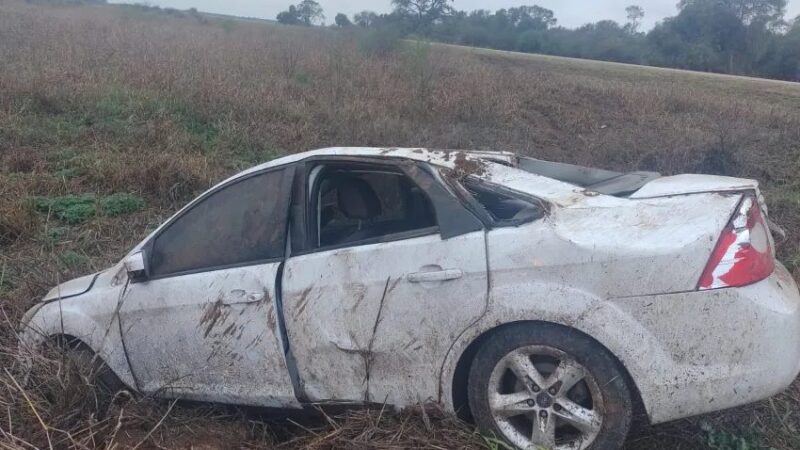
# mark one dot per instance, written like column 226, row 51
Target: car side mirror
column 136, row 266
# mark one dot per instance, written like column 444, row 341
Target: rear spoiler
column 597, row 180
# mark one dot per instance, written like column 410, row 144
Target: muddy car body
column 541, row 298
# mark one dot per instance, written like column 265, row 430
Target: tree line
column 747, row 37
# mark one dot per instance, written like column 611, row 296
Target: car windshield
column 598, row 180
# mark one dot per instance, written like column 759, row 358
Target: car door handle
column 436, row 275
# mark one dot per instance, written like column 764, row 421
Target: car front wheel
column 543, row 386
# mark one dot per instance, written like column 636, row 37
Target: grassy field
column 113, row 117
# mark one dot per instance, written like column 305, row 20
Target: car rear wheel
column 543, row 386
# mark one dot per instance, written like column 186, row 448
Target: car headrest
column 357, row 199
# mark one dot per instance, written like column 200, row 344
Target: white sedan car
column 542, row 300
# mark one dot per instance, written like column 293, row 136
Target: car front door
column 203, row 325
column 393, row 271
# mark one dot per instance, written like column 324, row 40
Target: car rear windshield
column 598, row 180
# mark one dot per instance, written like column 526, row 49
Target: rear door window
column 356, row 206
column 503, row 207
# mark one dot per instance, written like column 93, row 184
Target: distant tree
column 705, row 35
column 771, row 11
column 307, row 12
column 365, row 18
column 635, row 16
column 735, row 36
column 290, row 16
column 422, row 13
column 782, row 59
column 310, row 12
column 342, row 20
column 606, row 40
column 531, row 18
column 791, row 60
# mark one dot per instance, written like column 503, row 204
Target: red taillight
column 743, row 254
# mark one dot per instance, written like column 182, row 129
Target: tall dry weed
column 114, row 99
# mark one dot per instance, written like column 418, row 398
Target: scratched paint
column 213, row 343
column 338, row 315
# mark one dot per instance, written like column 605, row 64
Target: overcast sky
column 570, row 13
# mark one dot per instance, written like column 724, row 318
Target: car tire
column 539, row 403
column 82, row 362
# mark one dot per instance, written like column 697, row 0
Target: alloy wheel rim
column 542, row 398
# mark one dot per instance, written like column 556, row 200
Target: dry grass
column 109, row 99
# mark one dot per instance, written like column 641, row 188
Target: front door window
column 239, row 224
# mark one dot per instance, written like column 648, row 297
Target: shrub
column 54, row 235
column 68, row 173
column 75, row 209
column 120, row 203
column 718, row 439
column 72, row 209
column 73, row 260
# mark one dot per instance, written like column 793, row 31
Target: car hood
column 693, row 184
column 72, row 288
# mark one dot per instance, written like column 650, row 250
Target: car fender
column 612, row 327
column 99, row 330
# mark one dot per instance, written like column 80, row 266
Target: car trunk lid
column 697, row 184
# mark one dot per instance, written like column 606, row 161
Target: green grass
column 73, row 260
column 718, row 439
column 68, row 173
column 122, row 108
column 121, row 203
column 54, row 235
column 79, row 208
column 493, row 443
column 71, row 209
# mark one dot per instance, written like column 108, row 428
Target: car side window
column 503, row 207
column 360, row 205
column 241, row 223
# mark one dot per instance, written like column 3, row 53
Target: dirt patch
column 215, row 313
column 465, row 166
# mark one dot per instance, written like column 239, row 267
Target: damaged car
column 544, row 301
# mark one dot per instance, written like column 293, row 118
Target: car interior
column 355, row 205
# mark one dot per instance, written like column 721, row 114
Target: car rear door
column 371, row 319
column 204, row 324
